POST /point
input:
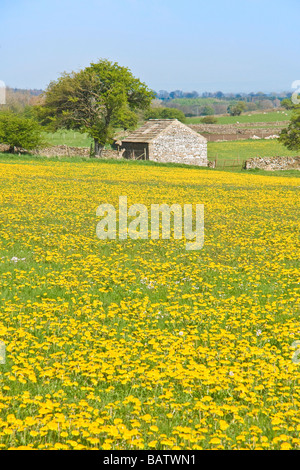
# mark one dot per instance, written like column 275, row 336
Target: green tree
column 19, row 132
column 290, row 136
column 165, row 113
column 287, row 103
column 96, row 100
column 207, row 111
column 236, row 109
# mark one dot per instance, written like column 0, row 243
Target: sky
column 231, row 46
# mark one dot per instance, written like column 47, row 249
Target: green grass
column 225, row 153
column 200, row 340
column 272, row 117
column 200, row 101
column 245, row 149
column 70, row 138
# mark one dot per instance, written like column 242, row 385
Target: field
column 234, row 153
column 141, row 344
column 271, row 117
column 231, row 153
column 76, row 139
column 70, row 138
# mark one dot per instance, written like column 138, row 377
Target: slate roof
column 152, row 128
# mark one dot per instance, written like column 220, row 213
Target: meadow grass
column 236, row 152
column 141, row 344
column 67, row 137
column 271, row 117
column 232, row 154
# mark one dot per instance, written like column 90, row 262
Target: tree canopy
column 96, row 100
column 290, row 136
column 208, row 111
column 165, row 113
column 287, row 103
column 19, row 132
column 236, row 109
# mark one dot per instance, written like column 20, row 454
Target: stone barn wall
column 179, row 145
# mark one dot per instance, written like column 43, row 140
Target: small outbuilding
column 166, row 140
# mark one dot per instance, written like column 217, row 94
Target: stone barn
column 166, row 140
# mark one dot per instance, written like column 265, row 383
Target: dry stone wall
column 63, row 151
column 111, row 154
column 273, row 163
column 66, row 151
column 238, row 131
column 4, row 148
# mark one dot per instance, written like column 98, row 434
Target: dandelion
column 96, row 360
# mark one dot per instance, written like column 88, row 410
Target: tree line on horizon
column 165, row 95
column 102, row 98
column 207, row 103
column 190, row 103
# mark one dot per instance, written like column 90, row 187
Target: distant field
column 71, row 138
column 268, row 117
column 200, row 101
column 240, row 150
column 76, row 139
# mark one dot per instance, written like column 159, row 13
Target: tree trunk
column 98, row 148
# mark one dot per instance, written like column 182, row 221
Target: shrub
column 290, row 136
column 209, row 120
column 165, row 113
column 19, row 132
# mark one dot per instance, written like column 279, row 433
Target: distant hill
column 33, row 92
column 194, row 104
column 18, row 98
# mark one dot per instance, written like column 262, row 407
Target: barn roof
column 152, row 128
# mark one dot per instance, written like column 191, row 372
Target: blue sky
column 232, row 46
